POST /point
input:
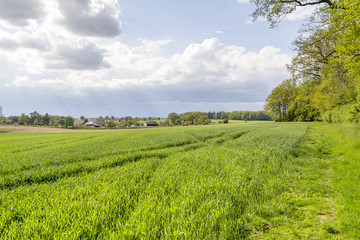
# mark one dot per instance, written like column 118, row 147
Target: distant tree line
column 240, row 115
column 37, row 119
column 185, row 119
column 203, row 118
column 188, row 118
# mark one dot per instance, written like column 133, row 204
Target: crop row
column 214, row 185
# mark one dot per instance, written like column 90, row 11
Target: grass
column 255, row 181
column 345, row 148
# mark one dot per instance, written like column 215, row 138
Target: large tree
column 345, row 25
column 327, row 65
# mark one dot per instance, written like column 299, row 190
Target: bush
column 343, row 114
column 111, row 124
column 225, row 120
column 204, row 119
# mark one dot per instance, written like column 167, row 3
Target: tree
column 174, row 118
column 189, row 117
column 111, row 124
column 101, row 121
column 14, row 119
column 82, row 118
column 61, row 122
column 128, row 118
column 314, row 51
column 52, row 122
column 24, row 119
column 279, row 100
column 203, row 120
column 1, row 112
column 46, row 119
column 34, row 115
column 327, row 65
column 344, row 24
column 69, row 121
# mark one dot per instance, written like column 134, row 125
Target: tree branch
column 308, row 3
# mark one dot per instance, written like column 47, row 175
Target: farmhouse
column 91, row 124
column 150, row 124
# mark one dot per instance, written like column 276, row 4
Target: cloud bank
column 209, row 71
column 72, row 48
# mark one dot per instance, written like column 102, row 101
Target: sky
column 138, row 57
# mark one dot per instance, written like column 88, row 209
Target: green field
column 242, row 180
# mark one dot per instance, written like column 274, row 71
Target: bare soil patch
column 30, row 129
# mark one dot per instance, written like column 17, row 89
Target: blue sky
column 139, row 57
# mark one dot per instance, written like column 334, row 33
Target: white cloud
column 46, row 45
column 207, row 71
column 243, row 1
column 98, row 18
column 219, row 32
column 19, row 12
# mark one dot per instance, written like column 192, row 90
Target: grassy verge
column 306, row 208
column 345, row 148
column 324, row 198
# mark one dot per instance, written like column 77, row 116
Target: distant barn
column 150, row 124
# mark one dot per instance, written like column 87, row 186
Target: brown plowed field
column 28, row 129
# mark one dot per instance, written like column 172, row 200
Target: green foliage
column 239, row 115
column 61, row 122
column 279, row 100
column 345, row 26
column 110, row 124
column 342, row 114
column 326, row 68
column 46, row 119
column 69, row 121
column 203, row 120
column 174, row 119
